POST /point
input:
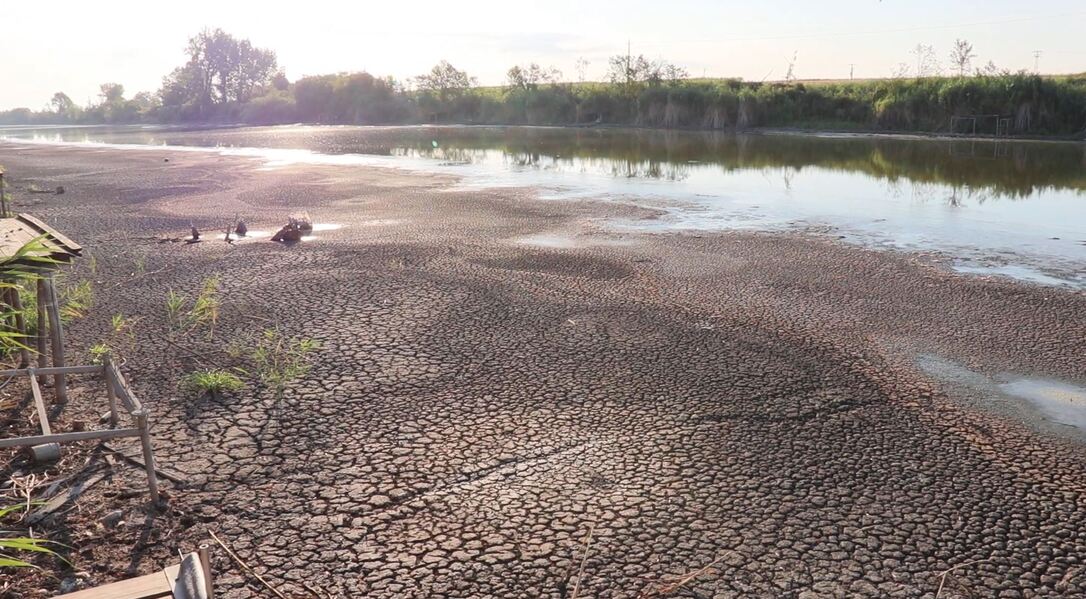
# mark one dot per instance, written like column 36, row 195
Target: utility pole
column 851, row 71
column 1037, row 61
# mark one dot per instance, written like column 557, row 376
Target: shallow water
column 1060, row 402
column 1015, row 209
column 1047, row 404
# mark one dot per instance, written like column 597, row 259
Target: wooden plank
column 60, row 238
column 69, row 437
column 151, row 586
column 123, row 390
column 39, row 404
column 53, row 370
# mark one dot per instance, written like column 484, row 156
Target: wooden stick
column 69, row 437
column 942, row 579
column 237, row 559
column 39, row 404
column 42, row 328
column 204, row 553
column 56, row 335
column 52, row 370
column 148, row 454
column 111, row 395
column 20, row 321
column 584, row 559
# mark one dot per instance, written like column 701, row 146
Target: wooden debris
column 61, row 499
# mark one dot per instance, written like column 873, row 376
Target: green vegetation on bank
column 229, row 81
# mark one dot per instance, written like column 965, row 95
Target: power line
column 872, row 31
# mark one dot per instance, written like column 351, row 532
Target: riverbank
column 498, row 377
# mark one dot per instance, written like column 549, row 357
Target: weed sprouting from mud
column 212, row 381
column 278, row 360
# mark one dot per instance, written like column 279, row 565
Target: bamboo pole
column 3, row 197
column 51, row 370
column 111, row 395
column 204, row 554
column 56, row 335
column 70, row 437
column 20, row 324
column 42, row 327
column 148, row 454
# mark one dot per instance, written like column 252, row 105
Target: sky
column 73, row 46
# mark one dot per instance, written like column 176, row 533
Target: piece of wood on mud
column 63, row 498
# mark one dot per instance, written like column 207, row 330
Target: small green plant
column 99, row 352
column 141, row 264
column 121, row 340
column 11, row 545
column 213, row 381
column 175, row 305
column 205, row 308
column 278, row 360
column 78, row 300
column 92, row 264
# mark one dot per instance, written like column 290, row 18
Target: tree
column 532, row 76
column 111, row 93
column 927, row 64
column 220, row 69
column 790, row 76
column 582, row 68
column 63, row 106
column 962, row 56
column 445, row 79
column 632, row 73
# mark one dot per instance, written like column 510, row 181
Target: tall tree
column 445, row 80
column 63, row 106
column 220, row 69
column 962, row 56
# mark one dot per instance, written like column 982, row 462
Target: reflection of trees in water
column 973, row 169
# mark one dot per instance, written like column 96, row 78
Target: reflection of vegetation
column 998, row 169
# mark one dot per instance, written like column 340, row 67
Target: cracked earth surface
column 478, row 405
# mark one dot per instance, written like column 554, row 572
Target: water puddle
column 1045, row 404
column 1060, row 402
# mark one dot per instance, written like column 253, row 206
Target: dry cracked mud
column 745, row 405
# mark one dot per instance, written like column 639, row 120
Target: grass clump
column 212, row 381
column 202, row 312
column 121, row 340
column 78, row 299
column 278, row 360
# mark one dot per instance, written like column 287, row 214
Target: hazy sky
column 72, row 46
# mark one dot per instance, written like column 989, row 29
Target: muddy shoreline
column 485, row 395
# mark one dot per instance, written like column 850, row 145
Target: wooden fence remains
column 46, row 446
column 190, row 579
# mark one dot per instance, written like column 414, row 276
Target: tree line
column 228, row 80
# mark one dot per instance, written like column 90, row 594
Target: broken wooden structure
column 16, row 233
column 190, row 579
column 46, row 446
